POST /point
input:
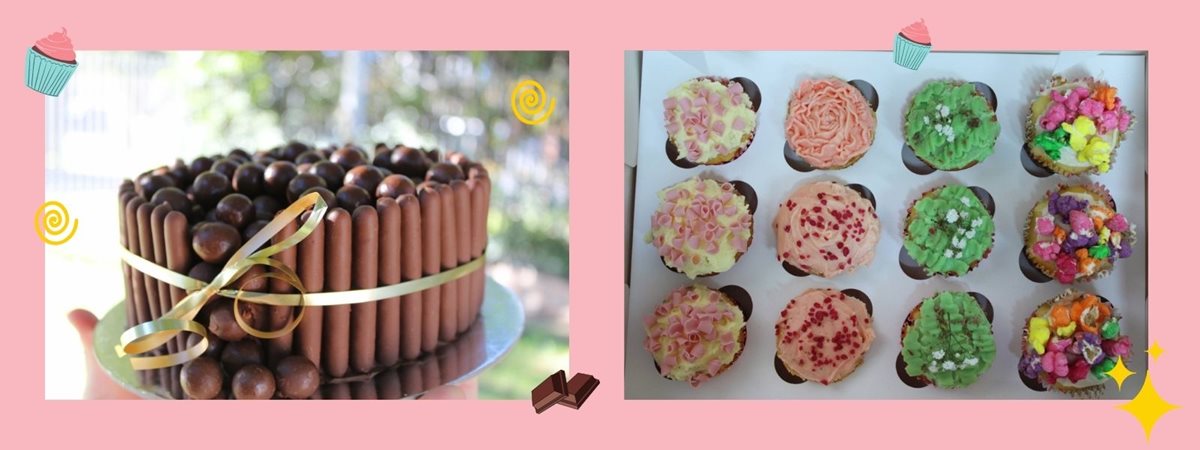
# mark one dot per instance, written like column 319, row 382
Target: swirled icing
column 829, row 123
column 58, row 46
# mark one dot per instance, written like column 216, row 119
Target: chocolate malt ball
column 331, row 172
column 241, row 353
column 248, row 180
column 297, row 377
column 309, row 157
column 201, row 378
column 225, row 166
column 366, row 177
column 393, row 186
column 174, row 198
column 444, row 173
column 200, row 165
column 349, row 157
column 148, row 184
column 215, row 242
column 209, row 188
column 236, row 210
column 293, row 150
column 277, row 176
column 222, row 324
column 350, row 197
column 215, row 345
column 265, row 207
column 253, row 382
column 301, row 183
column 410, row 162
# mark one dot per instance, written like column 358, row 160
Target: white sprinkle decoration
column 933, row 368
column 976, row 223
column 926, row 120
column 952, row 216
column 970, row 362
column 949, row 253
column 939, row 354
column 950, row 138
column 971, row 234
column 949, row 365
column 958, row 255
column 964, row 201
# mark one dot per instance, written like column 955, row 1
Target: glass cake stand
column 501, row 322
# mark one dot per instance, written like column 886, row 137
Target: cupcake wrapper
column 909, row 54
column 46, row 75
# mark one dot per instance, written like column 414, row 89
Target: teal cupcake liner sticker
column 912, row 45
column 49, row 64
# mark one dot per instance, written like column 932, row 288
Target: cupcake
column 1074, row 127
column 912, row 45
column 695, row 334
column 50, row 63
column 947, row 341
column 829, row 123
column 950, row 125
column 948, row 231
column 822, row 335
column 1076, row 234
column 701, row 227
column 1071, row 342
column 825, row 228
column 709, row 120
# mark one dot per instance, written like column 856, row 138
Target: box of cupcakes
column 833, row 225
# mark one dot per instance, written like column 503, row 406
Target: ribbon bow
column 147, row 336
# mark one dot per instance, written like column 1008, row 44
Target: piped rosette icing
column 1074, row 233
column 701, row 227
column 947, row 340
column 822, row 335
column 695, row 334
column 1071, row 342
column 1074, row 127
column 57, row 46
column 917, row 32
column 829, row 123
column 825, row 228
column 711, row 121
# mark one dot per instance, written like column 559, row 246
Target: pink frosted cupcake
column 829, row 123
column 50, row 63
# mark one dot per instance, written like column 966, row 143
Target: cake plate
column 501, row 322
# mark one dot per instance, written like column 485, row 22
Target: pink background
column 597, row 37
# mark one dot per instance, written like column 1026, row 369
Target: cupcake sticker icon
column 50, row 63
column 912, row 44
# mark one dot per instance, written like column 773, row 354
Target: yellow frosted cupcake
column 695, row 334
column 701, row 227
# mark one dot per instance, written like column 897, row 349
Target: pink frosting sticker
column 57, row 46
column 917, row 32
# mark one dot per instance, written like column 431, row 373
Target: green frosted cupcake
column 948, row 231
column 950, row 125
column 947, row 341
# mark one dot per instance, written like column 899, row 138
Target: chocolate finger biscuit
column 431, row 252
column 462, row 215
column 448, row 327
column 411, row 305
column 311, row 259
column 158, row 243
column 387, row 335
column 178, row 252
column 338, row 256
column 366, row 275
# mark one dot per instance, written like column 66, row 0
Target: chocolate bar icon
column 556, row 389
column 579, row 389
column 550, row 391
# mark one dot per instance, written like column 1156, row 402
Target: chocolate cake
column 403, row 214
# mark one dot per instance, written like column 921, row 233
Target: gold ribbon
column 147, row 336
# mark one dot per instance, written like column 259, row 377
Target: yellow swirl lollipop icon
column 530, row 104
column 51, row 223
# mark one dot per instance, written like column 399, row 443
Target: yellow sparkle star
column 1147, row 407
column 1155, row 351
column 1119, row 372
